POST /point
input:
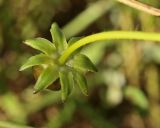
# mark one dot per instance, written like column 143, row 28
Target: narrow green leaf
column 71, row 81
column 47, row 77
column 67, row 82
column 82, row 82
column 42, row 45
column 58, row 38
column 136, row 96
column 83, row 63
column 36, row 60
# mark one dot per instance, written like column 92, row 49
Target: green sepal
column 42, row 45
column 46, row 78
column 81, row 82
column 36, row 60
column 83, row 63
column 58, row 38
column 67, row 83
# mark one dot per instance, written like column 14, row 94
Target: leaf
column 42, row 45
column 67, row 82
column 47, row 77
column 136, row 96
column 58, row 38
column 83, row 63
column 82, row 82
column 36, row 60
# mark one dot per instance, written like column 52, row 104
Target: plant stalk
column 112, row 35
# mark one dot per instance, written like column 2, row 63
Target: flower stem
column 112, row 35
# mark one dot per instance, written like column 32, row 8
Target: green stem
column 112, row 35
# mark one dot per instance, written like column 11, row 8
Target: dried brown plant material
column 140, row 6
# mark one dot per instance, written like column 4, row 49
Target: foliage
column 70, row 70
column 69, row 73
column 123, row 93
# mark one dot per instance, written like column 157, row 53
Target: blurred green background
column 124, row 93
